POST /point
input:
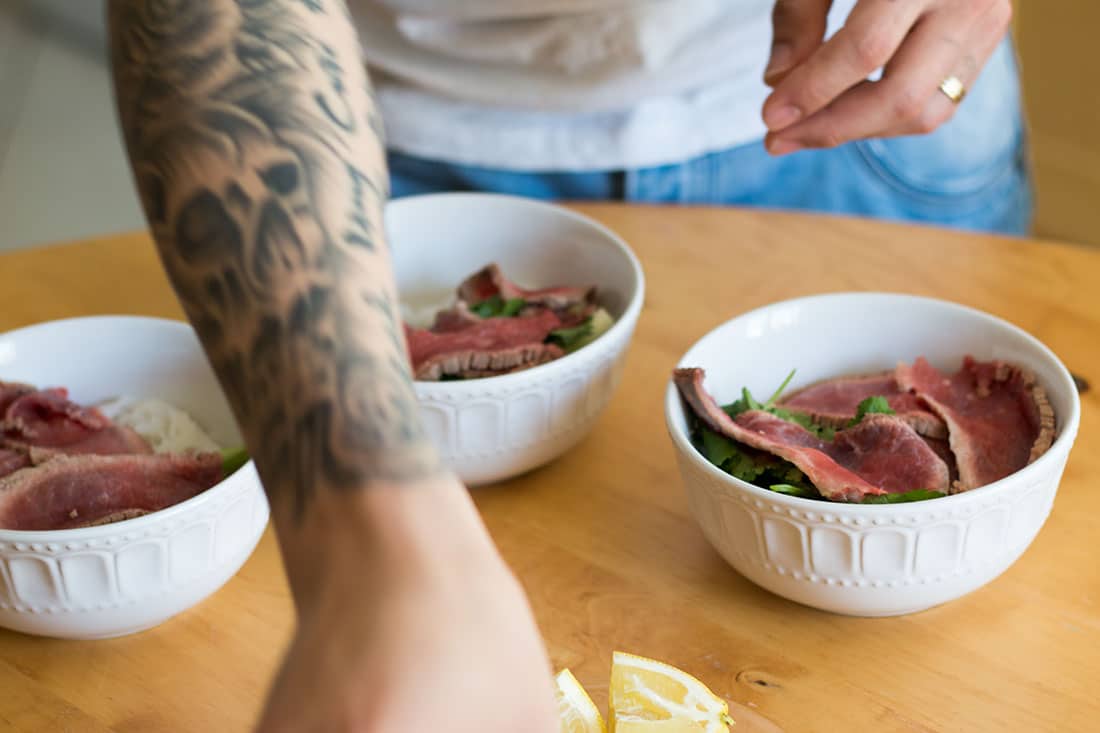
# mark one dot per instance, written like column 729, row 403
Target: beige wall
column 1059, row 45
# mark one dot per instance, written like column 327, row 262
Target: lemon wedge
column 577, row 711
column 648, row 696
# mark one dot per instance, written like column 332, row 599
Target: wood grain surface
column 602, row 538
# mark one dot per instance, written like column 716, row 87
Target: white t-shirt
column 569, row 84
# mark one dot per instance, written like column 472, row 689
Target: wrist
column 363, row 543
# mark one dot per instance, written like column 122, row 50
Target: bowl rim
column 124, row 526
column 622, row 324
column 1066, row 435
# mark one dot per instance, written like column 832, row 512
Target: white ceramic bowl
column 124, row 577
column 867, row 560
column 495, row 428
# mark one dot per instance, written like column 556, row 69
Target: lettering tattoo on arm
column 256, row 147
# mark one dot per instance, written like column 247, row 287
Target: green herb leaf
column 825, row 432
column 904, row 497
column 787, row 473
column 570, row 339
column 740, row 462
column 793, row 490
column 727, row 455
column 876, row 404
column 496, row 307
column 233, row 459
column 779, row 392
column 760, row 469
column 488, row 307
column 748, row 402
column 512, row 307
column 717, row 448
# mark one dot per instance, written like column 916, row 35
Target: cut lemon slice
column 648, row 696
column 577, row 711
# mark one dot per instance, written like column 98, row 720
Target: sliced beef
column 942, row 448
column 115, row 517
column 49, row 415
column 459, row 316
column 834, row 402
column 456, row 318
column 490, row 344
column 887, row 452
column 12, row 459
column 75, row 491
column 471, row 364
column 491, row 281
column 10, row 392
column 111, row 440
column 48, row 419
column 882, row 454
column 998, row 417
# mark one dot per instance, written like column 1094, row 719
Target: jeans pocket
column 978, row 153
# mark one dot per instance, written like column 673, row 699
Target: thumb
column 798, row 29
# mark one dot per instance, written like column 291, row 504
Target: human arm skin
column 258, row 154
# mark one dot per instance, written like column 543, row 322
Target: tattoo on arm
column 256, row 147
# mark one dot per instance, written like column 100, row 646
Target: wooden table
column 603, row 540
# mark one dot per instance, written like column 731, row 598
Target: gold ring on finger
column 953, row 88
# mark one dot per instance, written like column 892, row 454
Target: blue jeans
column 972, row 173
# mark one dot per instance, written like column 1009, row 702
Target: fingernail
column 779, row 146
column 777, row 118
column 782, row 53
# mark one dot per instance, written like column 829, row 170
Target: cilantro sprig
column 872, row 405
column 748, row 402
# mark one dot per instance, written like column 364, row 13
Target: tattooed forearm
column 257, row 151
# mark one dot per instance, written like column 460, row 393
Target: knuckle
column 908, row 103
column 872, row 49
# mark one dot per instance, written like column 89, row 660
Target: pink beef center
column 74, row 491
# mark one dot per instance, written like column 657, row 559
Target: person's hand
column 426, row 630
column 821, row 97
